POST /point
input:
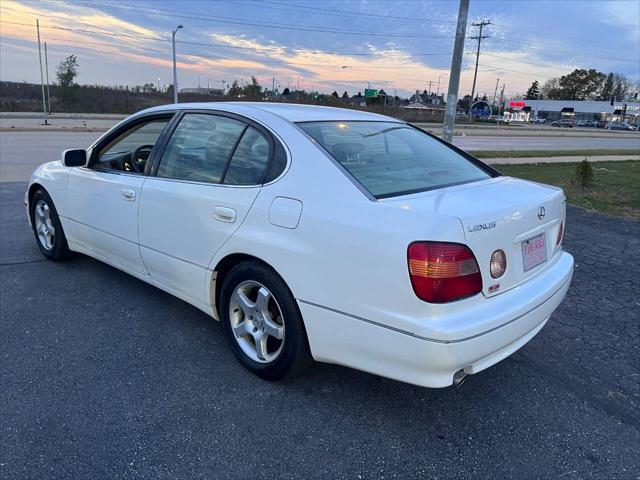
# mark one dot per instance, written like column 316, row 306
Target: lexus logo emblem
column 541, row 213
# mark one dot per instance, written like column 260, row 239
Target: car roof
column 288, row 111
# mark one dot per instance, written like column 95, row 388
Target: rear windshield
column 390, row 158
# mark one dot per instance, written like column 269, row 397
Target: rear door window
column 249, row 161
column 391, row 158
column 200, row 148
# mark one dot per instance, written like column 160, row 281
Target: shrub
column 583, row 175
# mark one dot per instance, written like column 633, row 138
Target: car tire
column 255, row 302
column 47, row 228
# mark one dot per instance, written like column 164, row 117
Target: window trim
column 112, row 135
column 275, row 147
column 492, row 172
column 233, row 152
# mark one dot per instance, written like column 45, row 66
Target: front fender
column 53, row 177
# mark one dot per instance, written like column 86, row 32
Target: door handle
column 128, row 194
column 224, row 214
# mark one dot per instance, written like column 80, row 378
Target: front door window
column 130, row 151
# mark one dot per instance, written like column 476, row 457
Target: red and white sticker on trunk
column 534, row 252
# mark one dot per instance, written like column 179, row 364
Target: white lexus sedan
column 316, row 233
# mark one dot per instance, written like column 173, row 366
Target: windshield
column 391, row 158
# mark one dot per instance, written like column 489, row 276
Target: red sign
column 517, row 104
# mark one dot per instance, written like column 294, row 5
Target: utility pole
column 273, row 88
column 495, row 92
column 175, row 71
column 438, row 88
column 430, row 83
column 44, row 101
column 501, row 106
column 456, row 66
column 479, row 37
column 46, row 69
column 298, row 89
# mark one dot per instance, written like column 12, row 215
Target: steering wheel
column 136, row 163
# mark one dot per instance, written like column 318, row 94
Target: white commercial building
column 522, row 110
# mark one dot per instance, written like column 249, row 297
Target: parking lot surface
column 104, row 376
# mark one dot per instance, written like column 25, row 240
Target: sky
column 342, row 45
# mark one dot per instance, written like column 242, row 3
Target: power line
column 536, row 33
column 385, row 53
column 344, row 13
column 234, row 21
column 203, row 17
column 547, row 65
column 555, row 50
column 63, row 41
column 222, row 57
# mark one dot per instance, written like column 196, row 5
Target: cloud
column 323, row 68
column 625, row 15
column 55, row 24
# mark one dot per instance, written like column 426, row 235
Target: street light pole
column 495, row 92
column 175, row 71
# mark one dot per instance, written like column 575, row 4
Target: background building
column 523, row 110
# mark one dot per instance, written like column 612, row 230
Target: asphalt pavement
column 104, row 376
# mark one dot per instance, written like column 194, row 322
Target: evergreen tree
column 607, row 88
column 533, row 92
column 235, row 89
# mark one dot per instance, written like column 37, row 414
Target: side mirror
column 74, row 158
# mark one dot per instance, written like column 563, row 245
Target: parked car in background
column 315, row 233
column 537, row 120
column 501, row 118
column 585, row 123
column 620, row 126
column 565, row 123
column 599, row 124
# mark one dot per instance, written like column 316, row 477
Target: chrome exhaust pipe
column 459, row 378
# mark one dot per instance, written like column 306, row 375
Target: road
column 22, row 152
column 104, row 376
column 472, row 143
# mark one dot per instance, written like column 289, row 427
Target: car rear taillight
column 560, row 234
column 443, row 272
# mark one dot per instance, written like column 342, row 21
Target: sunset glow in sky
column 327, row 45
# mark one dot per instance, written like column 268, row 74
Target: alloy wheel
column 256, row 321
column 44, row 225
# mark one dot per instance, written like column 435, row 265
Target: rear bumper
column 343, row 339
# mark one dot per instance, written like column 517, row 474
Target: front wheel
column 263, row 323
column 47, row 227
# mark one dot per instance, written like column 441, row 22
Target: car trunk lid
column 519, row 217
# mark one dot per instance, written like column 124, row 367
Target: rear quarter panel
column 347, row 252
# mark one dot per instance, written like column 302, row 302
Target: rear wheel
column 263, row 323
column 47, row 228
